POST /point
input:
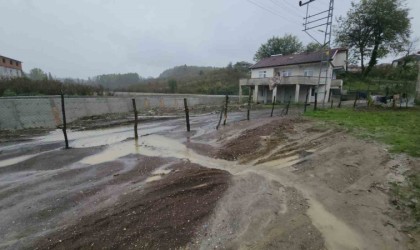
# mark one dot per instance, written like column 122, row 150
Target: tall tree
column 285, row 45
column 374, row 28
column 313, row 46
column 37, row 74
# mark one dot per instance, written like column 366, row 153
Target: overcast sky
column 82, row 38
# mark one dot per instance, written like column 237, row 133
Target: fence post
column 249, row 103
column 339, row 103
column 355, row 100
column 306, row 101
column 187, row 114
column 136, row 135
column 316, row 101
column 226, row 110
column 272, row 108
column 63, row 110
column 288, row 105
column 220, row 118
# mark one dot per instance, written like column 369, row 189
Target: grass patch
column 401, row 130
column 398, row 128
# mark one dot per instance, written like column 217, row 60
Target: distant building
column 292, row 77
column 10, row 68
column 413, row 58
column 354, row 68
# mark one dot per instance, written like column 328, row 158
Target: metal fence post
column 272, row 108
column 288, row 105
column 226, row 109
column 187, row 114
column 249, row 103
column 136, row 135
column 63, row 110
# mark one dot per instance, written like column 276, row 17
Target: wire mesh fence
column 71, row 116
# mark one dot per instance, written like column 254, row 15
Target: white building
column 294, row 76
column 10, row 68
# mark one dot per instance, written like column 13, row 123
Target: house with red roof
column 10, row 68
column 293, row 77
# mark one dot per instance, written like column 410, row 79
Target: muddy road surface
column 268, row 183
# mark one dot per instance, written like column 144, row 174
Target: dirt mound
column 165, row 214
column 256, row 141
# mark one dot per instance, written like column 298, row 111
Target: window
column 263, row 74
column 17, row 63
column 313, row 91
column 287, row 73
column 11, row 62
column 4, row 60
column 308, row 73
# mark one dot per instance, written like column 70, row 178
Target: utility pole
column 323, row 19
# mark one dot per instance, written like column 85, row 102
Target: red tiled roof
column 293, row 59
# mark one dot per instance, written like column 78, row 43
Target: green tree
column 285, row 45
column 374, row 28
column 173, row 85
column 312, row 47
column 37, row 74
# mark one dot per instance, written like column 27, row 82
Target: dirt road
column 268, row 183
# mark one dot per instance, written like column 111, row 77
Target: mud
column 268, row 183
column 166, row 214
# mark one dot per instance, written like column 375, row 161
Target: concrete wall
column 45, row 112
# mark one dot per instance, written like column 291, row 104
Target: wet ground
column 268, row 183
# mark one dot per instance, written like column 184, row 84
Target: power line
column 271, row 11
column 287, row 6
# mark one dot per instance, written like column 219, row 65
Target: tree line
column 28, row 87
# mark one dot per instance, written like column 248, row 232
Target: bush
column 26, row 86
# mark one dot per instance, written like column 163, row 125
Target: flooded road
column 290, row 186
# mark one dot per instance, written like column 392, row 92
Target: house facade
column 414, row 58
column 10, row 68
column 292, row 77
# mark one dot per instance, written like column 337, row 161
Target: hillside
column 185, row 72
column 197, row 80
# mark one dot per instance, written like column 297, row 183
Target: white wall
column 8, row 72
column 340, row 59
column 255, row 73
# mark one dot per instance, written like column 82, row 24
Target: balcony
column 336, row 84
column 288, row 80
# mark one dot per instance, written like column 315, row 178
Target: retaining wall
column 45, row 111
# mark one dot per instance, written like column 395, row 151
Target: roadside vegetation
column 28, row 87
column 398, row 128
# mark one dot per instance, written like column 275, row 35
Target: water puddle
column 16, row 160
column 156, row 146
column 282, row 163
column 337, row 234
column 112, row 153
column 19, row 159
column 154, row 178
column 92, row 138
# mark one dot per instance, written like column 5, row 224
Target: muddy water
column 156, row 146
column 337, row 234
column 16, row 160
column 19, row 159
column 118, row 144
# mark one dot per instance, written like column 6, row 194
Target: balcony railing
column 288, row 80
